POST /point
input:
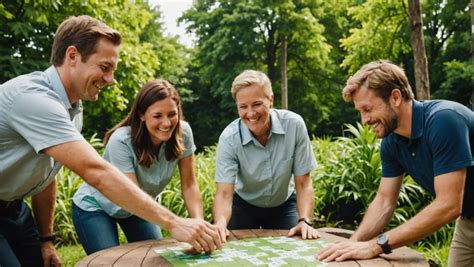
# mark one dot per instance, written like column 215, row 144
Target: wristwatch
column 305, row 221
column 382, row 241
column 48, row 238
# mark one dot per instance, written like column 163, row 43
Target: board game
column 263, row 251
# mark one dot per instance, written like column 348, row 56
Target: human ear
column 396, row 97
column 72, row 55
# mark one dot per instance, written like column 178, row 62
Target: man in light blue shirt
column 36, row 130
column 262, row 159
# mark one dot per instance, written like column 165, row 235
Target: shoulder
column 122, row 135
column 288, row 117
column 440, row 111
column 231, row 131
column 187, row 131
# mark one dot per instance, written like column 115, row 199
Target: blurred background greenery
column 327, row 40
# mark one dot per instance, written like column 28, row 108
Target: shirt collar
column 417, row 122
column 59, row 89
column 277, row 128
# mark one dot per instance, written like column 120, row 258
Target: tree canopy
column 327, row 41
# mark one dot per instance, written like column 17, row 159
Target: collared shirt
column 442, row 141
column 263, row 174
column 119, row 151
column 35, row 114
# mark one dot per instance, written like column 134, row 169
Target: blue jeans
column 19, row 238
column 248, row 216
column 97, row 230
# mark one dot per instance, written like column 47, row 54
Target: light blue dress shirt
column 119, row 151
column 263, row 175
column 35, row 114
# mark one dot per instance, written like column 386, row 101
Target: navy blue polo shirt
column 442, row 141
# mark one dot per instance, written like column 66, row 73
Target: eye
column 103, row 68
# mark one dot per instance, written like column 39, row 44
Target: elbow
column 452, row 210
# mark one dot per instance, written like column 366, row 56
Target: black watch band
column 48, row 238
column 382, row 241
column 305, row 221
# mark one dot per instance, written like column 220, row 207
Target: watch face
column 382, row 239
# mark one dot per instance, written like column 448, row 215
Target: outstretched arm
column 445, row 208
column 81, row 158
column 305, row 206
column 222, row 208
column 380, row 210
column 189, row 187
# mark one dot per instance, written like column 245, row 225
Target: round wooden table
column 142, row 253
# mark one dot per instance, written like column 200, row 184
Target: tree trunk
column 284, row 77
column 419, row 53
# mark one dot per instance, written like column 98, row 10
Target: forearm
column 423, row 224
column 378, row 215
column 123, row 192
column 193, row 201
column 304, row 196
column 305, row 202
column 43, row 205
column 222, row 209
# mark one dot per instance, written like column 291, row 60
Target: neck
column 405, row 113
column 66, row 81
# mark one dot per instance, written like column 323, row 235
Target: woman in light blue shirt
column 147, row 146
column 263, row 163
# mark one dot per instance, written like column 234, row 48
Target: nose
column 166, row 122
column 109, row 77
column 364, row 118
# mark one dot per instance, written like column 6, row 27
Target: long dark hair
column 144, row 148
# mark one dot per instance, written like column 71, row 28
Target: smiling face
column 375, row 112
column 88, row 78
column 161, row 119
column 254, row 109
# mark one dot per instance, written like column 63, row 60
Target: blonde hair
column 380, row 76
column 252, row 77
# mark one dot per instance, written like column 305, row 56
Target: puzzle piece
column 264, row 251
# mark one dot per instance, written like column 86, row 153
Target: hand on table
column 306, row 231
column 346, row 250
column 50, row 255
column 222, row 229
column 202, row 235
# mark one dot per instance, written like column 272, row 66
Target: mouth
column 96, row 84
column 164, row 129
column 252, row 119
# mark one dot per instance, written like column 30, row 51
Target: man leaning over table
column 40, row 119
column 432, row 141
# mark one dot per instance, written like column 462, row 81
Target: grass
column 70, row 254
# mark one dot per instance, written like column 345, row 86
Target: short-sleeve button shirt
column 35, row 114
column 119, row 151
column 442, row 141
column 263, row 175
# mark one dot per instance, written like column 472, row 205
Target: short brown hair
column 145, row 151
column 83, row 32
column 380, row 76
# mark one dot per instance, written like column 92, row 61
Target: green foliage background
column 327, row 41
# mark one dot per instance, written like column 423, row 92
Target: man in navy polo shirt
column 432, row 141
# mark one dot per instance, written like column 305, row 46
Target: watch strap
column 305, row 221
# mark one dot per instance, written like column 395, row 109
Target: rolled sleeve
column 227, row 165
column 304, row 161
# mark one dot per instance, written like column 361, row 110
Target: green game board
column 264, row 251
